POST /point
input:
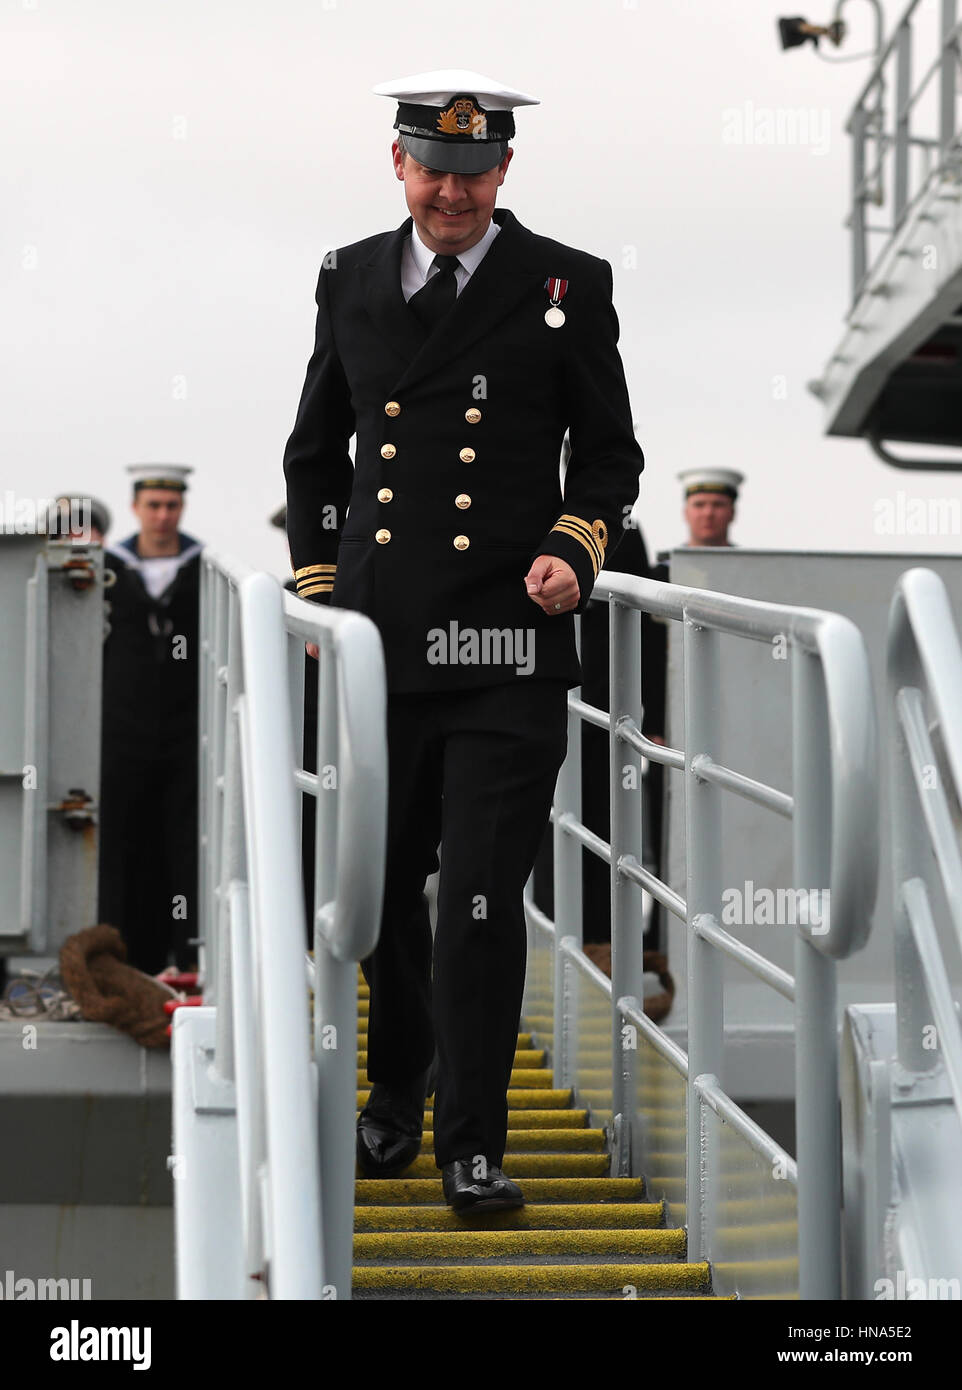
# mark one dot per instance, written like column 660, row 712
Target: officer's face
column 158, row 510
column 709, row 515
column 432, row 196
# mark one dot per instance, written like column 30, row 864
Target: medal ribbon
column 557, row 289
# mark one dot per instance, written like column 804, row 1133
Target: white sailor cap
column 168, row 475
column 453, row 119
column 725, row 480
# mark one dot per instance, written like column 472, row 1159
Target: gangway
column 761, row 1222
column 639, row 1165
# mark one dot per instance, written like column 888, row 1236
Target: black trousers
column 474, row 772
column 148, row 854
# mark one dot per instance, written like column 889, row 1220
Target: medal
column 557, row 289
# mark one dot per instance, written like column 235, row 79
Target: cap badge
column 463, row 118
column 557, row 289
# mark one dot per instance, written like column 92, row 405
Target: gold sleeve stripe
column 314, row 569
column 597, row 531
column 581, row 525
column 324, row 587
column 579, row 533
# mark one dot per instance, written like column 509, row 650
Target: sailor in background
column 709, row 509
column 459, row 348
column 148, row 794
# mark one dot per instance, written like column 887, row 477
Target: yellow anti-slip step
column 519, row 1098
column 507, row 1279
column 506, row 1245
column 522, row 1078
column 546, row 1216
column 401, row 1191
column 534, row 1119
column 528, row 1165
column 525, row 1040
column 543, row 1140
column 524, row 1057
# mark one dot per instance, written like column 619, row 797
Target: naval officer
column 459, row 348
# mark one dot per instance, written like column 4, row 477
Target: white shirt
column 416, row 260
column 158, row 573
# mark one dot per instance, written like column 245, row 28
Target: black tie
column 434, row 299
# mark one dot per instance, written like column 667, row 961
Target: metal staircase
column 896, row 374
column 582, row 1234
column 643, row 1177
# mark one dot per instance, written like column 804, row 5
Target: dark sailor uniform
column 148, row 795
column 453, row 492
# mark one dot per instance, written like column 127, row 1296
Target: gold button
column 392, row 408
column 388, row 451
column 382, row 537
column 467, row 455
column 462, row 500
column 473, row 415
column 385, row 494
column 461, row 542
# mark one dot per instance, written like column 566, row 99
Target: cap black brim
column 455, row 156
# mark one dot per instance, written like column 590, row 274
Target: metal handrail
column 295, row 1114
column 924, row 673
column 833, row 808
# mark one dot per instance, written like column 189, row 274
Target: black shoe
column 390, row 1126
column 468, row 1194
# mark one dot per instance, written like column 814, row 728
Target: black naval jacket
column 455, row 488
column 149, row 697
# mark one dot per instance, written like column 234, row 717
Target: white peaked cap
column 436, row 88
column 711, row 480
column 172, row 475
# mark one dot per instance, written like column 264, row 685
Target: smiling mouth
column 445, row 213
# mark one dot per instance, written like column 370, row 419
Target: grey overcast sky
column 173, row 173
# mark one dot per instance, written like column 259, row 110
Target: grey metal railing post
column 335, row 1004
column 205, row 725
column 228, row 827
column 625, row 799
column 706, row 1028
column 903, row 88
column 948, row 76
column 859, row 125
column 909, row 849
column 816, row 1022
column 568, row 897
